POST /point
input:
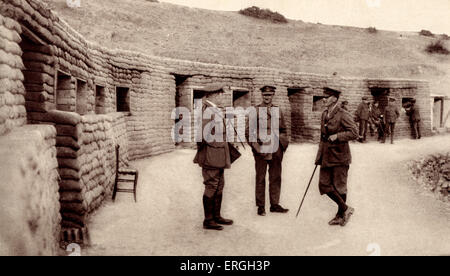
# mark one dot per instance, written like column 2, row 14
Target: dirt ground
column 394, row 215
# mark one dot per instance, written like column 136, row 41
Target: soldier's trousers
column 390, row 127
column 363, row 129
column 274, row 178
column 415, row 125
column 214, row 181
column 333, row 179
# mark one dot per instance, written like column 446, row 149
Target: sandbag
column 79, row 219
column 70, row 196
column 66, row 152
column 69, row 163
column 73, row 207
column 64, row 117
column 67, row 141
column 70, row 185
column 69, row 174
column 68, row 130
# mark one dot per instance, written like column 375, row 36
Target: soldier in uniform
column 391, row 114
column 414, row 119
column 376, row 117
column 362, row 117
column 344, row 105
column 213, row 157
column 273, row 159
column 334, row 157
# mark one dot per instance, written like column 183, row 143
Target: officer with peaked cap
column 213, row 157
column 333, row 156
column 273, row 159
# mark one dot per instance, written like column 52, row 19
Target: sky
column 397, row 15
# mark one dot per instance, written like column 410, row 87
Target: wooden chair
column 120, row 172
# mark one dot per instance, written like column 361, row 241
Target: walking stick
column 306, row 191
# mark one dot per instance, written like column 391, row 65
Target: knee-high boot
column 217, row 206
column 208, row 207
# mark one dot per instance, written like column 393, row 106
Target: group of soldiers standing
column 371, row 117
column 333, row 156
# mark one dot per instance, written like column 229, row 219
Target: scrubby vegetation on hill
column 437, row 47
column 264, row 14
column 426, row 33
column 372, row 30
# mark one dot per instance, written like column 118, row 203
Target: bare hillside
column 230, row 38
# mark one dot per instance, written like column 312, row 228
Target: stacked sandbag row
column 119, row 135
column 149, row 129
column 97, row 160
column 86, row 158
column 69, row 129
column 30, row 218
column 38, row 78
column 12, row 102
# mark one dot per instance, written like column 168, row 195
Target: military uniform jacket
column 283, row 136
column 391, row 114
column 414, row 114
column 362, row 113
column 375, row 113
column 213, row 155
column 337, row 153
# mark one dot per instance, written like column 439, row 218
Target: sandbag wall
column 38, row 79
column 29, row 197
column 150, row 125
column 86, row 158
column 12, row 109
column 96, row 159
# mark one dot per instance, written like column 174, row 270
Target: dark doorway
column 438, row 112
column 381, row 95
column 123, row 99
column 82, row 97
column 297, row 98
column 100, row 99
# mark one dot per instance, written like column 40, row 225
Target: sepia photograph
column 224, row 129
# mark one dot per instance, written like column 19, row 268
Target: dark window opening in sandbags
column 198, row 95
column 123, row 99
column 381, row 95
column 318, row 103
column 241, row 98
column 406, row 102
column 82, row 97
column 297, row 101
column 100, row 99
column 180, row 79
column 214, row 95
column 65, row 92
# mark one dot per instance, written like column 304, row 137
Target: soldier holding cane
column 334, row 157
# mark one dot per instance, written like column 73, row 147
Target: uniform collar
column 332, row 110
column 264, row 105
